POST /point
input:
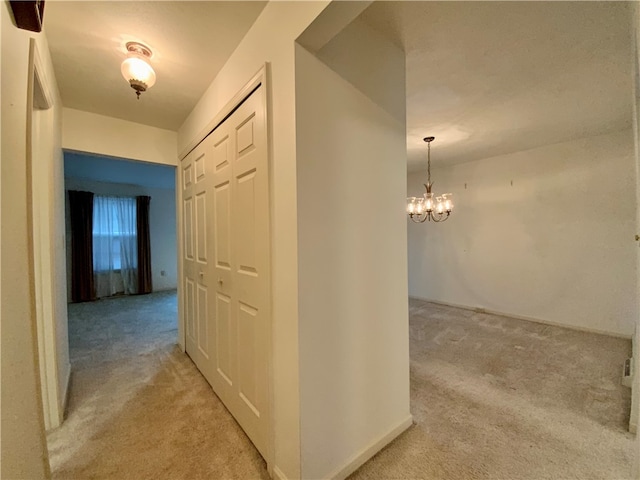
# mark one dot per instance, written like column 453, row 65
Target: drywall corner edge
column 368, row 452
column 278, row 475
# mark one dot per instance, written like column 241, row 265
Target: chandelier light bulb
column 136, row 68
column 448, row 204
column 411, row 205
column 428, row 201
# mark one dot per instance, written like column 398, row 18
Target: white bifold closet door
column 226, row 264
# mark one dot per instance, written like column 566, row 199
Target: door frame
column 261, row 77
column 44, row 291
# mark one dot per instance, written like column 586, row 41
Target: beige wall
column 635, row 389
column 93, row 133
column 544, row 234
column 23, row 444
column 352, row 251
column 271, row 39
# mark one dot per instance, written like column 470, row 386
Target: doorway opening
column 120, row 225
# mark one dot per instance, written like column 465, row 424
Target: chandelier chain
column 429, row 163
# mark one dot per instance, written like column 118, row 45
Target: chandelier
column 428, row 207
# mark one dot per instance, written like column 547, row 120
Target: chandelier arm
column 441, row 218
column 419, row 218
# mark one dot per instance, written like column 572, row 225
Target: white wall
column 352, row 251
column 93, row 133
column 377, row 75
column 162, row 226
column 635, row 97
column 23, row 446
column 556, row 245
column 271, row 39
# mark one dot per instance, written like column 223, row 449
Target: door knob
column 220, row 281
column 201, row 275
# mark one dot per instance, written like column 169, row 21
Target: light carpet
column 139, row 409
column 499, row 398
column 493, row 398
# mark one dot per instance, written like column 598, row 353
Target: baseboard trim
column 278, row 475
column 635, row 384
column 360, row 458
column 67, row 393
column 522, row 317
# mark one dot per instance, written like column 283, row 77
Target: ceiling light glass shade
column 136, row 69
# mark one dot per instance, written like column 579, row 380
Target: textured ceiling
column 490, row 78
column 191, row 41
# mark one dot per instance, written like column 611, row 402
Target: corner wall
column 23, row 446
column 271, row 39
column 352, row 274
column 545, row 234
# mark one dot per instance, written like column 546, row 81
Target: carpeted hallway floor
column 492, row 397
column 139, row 409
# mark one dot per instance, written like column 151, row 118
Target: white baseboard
column 278, row 475
column 635, row 384
column 360, row 458
column 66, row 392
column 522, row 317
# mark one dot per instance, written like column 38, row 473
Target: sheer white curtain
column 115, row 250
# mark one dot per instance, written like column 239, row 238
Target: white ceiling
column 485, row 78
column 490, row 78
column 191, row 41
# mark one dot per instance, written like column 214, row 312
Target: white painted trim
column 635, row 384
column 67, row 392
column 278, row 475
column 182, row 341
column 522, row 317
column 39, row 98
column 365, row 454
column 231, row 105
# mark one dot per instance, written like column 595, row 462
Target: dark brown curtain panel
column 82, row 282
column 144, row 244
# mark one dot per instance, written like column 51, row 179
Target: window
column 114, row 233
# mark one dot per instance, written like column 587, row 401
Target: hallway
column 138, row 407
column 492, row 397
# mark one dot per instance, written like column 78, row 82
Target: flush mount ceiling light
column 136, row 68
column 427, row 207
